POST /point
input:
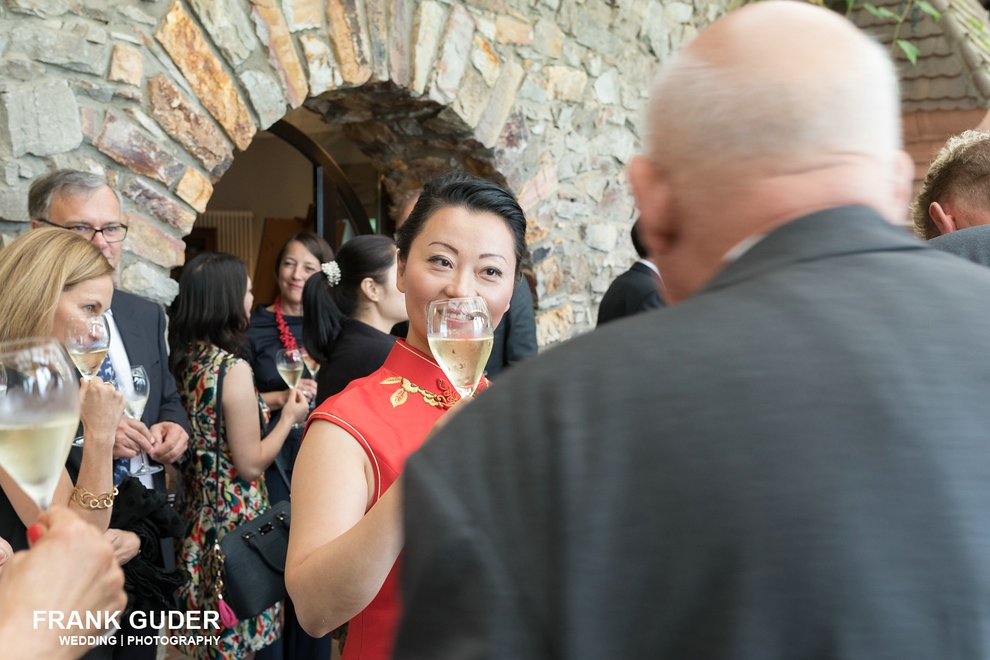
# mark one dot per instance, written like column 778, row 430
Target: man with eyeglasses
column 84, row 203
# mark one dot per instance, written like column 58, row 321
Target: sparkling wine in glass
column 39, row 414
column 460, row 334
column 311, row 364
column 135, row 390
column 289, row 364
column 87, row 340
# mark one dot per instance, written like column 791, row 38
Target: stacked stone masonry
column 543, row 96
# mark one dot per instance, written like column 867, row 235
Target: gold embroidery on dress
column 444, row 400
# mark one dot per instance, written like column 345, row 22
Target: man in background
column 760, row 471
column 636, row 290
column 956, row 191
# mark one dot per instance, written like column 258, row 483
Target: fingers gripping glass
column 111, row 233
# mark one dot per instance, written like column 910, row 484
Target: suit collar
column 130, row 332
column 640, row 267
column 830, row 233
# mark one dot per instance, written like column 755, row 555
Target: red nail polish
column 34, row 532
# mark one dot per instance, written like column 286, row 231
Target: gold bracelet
column 88, row 500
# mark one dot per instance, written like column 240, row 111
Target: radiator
column 237, row 232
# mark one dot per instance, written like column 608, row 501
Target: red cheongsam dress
column 389, row 413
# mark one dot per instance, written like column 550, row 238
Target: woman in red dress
column 464, row 238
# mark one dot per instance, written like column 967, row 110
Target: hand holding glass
column 289, row 364
column 460, row 334
column 39, row 413
column 87, row 340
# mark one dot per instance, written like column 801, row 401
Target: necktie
column 121, row 466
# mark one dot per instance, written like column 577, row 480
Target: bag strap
column 282, row 473
column 216, row 465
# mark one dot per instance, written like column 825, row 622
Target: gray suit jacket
column 788, row 465
column 972, row 243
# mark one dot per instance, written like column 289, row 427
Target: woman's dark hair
column 325, row 308
column 316, row 245
column 209, row 307
column 472, row 193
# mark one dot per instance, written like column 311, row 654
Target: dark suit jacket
column 142, row 330
column 789, row 465
column 972, row 243
column 515, row 336
column 632, row 292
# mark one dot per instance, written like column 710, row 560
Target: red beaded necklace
column 288, row 340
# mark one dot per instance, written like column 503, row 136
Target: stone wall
column 542, row 95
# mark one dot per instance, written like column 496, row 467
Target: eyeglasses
column 111, row 233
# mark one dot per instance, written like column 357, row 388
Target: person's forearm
column 95, row 477
column 339, row 579
column 264, row 452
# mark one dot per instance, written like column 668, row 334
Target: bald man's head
column 777, row 110
column 776, row 82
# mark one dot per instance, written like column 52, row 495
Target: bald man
column 761, row 471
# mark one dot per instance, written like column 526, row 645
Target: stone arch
column 542, row 96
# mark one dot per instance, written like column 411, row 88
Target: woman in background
column 280, row 326
column 275, row 327
column 349, row 310
column 464, row 238
column 208, row 322
column 49, row 275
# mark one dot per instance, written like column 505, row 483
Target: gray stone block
column 266, row 96
column 228, row 24
column 41, row 120
column 60, row 48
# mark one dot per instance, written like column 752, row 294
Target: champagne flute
column 460, row 334
column 289, row 364
column 314, row 369
column 39, row 414
column 87, row 340
column 311, row 364
column 135, row 390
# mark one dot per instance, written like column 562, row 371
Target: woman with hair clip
column 208, row 322
column 349, row 309
column 464, row 238
column 50, row 275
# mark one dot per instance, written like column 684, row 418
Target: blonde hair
column 35, row 269
column 959, row 173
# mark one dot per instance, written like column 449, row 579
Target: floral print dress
column 197, row 504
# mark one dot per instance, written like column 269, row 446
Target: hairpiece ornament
column 332, row 271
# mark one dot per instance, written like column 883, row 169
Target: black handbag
column 249, row 560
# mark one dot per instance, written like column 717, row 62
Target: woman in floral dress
column 208, row 322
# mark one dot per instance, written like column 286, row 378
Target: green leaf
column 880, row 12
column 910, row 50
column 928, row 9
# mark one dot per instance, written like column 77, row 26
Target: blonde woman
column 48, row 276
